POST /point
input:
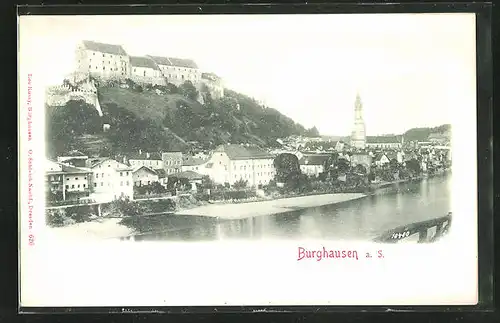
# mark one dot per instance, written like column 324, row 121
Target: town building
column 103, row 61
column 195, row 164
column 73, row 156
column 313, row 165
column 361, row 159
column 339, row 146
column 162, row 177
column 193, row 178
column 381, row 159
column 172, row 162
column 110, row 179
column 358, row 136
column 144, row 70
column 214, row 85
column 178, row 70
column 152, row 160
column 144, row 175
column 231, row 163
column 385, row 142
column 65, row 182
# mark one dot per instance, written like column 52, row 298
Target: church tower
column 358, row 136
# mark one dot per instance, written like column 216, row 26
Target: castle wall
column 154, row 80
column 60, row 95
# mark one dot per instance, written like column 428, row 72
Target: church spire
column 358, row 137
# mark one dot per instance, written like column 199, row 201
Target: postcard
column 247, row 160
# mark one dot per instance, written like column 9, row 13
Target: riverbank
column 102, row 228
column 251, row 209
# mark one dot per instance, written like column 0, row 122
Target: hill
column 164, row 118
column 425, row 134
column 421, row 134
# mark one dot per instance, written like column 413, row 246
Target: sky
column 411, row 70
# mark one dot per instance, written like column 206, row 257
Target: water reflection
column 360, row 219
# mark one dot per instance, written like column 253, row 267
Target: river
column 361, row 219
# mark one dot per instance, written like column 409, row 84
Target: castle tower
column 358, row 136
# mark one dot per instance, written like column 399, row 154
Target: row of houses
column 110, row 61
column 77, row 176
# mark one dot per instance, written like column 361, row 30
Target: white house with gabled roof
column 144, row 70
column 178, row 70
column 102, row 60
column 110, row 179
column 230, row 163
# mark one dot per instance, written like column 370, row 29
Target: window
column 67, row 186
column 102, row 184
column 103, row 68
column 121, row 183
column 102, row 174
column 127, row 183
column 135, row 70
column 103, row 55
column 78, row 186
column 72, row 186
column 121, row 173
column 90, row 66
column 95, row 184
column 76, row 178
column 85, row 177
column 126, row 173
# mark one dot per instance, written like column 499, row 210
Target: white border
column 61, row 273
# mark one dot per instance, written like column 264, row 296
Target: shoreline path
column 251, row 209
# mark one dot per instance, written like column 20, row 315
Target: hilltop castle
column 108, row 61
column 111, row 62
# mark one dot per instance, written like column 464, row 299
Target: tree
column 188, row 90
column 157, row 188
column 206, row 182
column 241, row 183
column 313, row 132
column 331, row 162
column 343, row 166
column 172, row 89
column 393, row 165
column 360, row 169
column 287, row 166
column 66, row 124
column 172, row 182
column 413, row 166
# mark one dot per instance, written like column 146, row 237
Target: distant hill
column 141, row 118
column 421, row 134
column 425, row 134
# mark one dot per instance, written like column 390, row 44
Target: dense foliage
column 422, row 134
column 155, row 118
